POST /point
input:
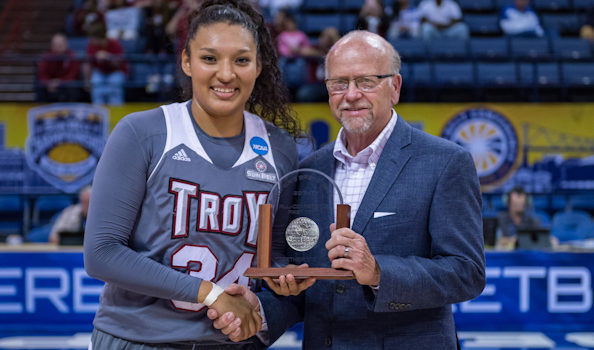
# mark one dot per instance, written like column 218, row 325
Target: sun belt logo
column 490, row 138
column 259, row 146
column 261, row 166
column 65, row 142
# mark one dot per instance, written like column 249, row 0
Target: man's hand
column 241, row 313
column 348, row 250
column 231, row 322
column 288, row 285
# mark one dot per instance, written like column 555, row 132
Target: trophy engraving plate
column 302, row 234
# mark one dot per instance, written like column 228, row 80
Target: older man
column 73, row 217
column 58, row 72
column 416, row 244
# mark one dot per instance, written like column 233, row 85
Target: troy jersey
column 195, row 218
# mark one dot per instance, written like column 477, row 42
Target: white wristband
column 213, row 295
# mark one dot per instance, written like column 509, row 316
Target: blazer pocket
column 399, row 217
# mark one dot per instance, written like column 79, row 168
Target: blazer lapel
column 327, row 165
column 391, row 162
column 324, row 161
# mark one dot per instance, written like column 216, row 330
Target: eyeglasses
column 365, row 83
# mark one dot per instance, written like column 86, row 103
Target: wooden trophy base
column 343, row 215
column 320, row 273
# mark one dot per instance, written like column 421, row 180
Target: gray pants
column 104, row 341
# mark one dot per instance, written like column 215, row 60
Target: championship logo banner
column 65, row 142
column 490, row 138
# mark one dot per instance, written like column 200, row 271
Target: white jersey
column 196, row 219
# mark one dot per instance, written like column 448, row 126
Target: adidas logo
column 181, row 155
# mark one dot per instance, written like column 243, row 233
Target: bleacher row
column 555, row 69
column 530, row 69
column 497, row 49
column 466, row 5
column 482, row 16
column 150, row 77
column 570, row 216
column 524, row 66
column 26, row 200
column 479, row 25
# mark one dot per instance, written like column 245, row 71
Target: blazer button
column 340, row 288
column 328, row 341
column 393, row 306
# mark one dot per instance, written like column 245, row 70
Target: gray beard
column 363, row 124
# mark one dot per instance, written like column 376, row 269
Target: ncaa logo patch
column 65, row 142
column 259, row 146
column 490, row 138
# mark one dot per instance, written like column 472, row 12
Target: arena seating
column 553, row 68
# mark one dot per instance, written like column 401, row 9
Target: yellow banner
column 503, row 137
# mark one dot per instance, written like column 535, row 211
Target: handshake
column 236, row 309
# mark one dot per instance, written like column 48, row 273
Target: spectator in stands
column 58, row 72
column 123, row 21
column 177, row 27
column 315, row 88
column 85, row 15
column 405, row 22
column 276, row 26
column 156, row 15
column 516, row 216
column 442, row 19
column 587, row 30
column 520, row 20
column 373, row 18
column 106, row 68
column 73, row 218
column 291, row 42
column 271, row 7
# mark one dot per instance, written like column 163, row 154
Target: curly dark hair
column 270, row 97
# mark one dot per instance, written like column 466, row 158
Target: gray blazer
column 430, row 252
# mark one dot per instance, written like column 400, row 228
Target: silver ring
column 346, row 252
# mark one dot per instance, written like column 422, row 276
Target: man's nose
column 352, row 92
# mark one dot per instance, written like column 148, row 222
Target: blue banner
column 525, row 291
column 532, row 290
column 46, row 290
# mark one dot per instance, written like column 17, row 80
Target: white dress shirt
column 353, row 173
